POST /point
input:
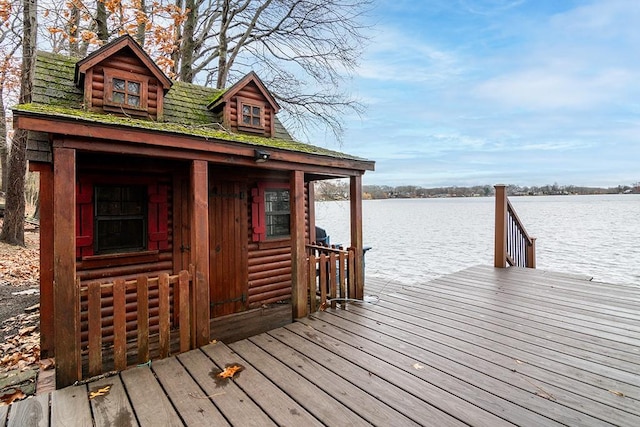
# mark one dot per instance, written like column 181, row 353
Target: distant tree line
column 339, row 190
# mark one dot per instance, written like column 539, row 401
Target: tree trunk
column 223, row 70
column 188, row 42
column 4, row 149
column 13, row 227
column 101, row 21
column 73, row 30
column 142, row 24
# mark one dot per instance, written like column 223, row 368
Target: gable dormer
column 247, row 107
column 121, row 78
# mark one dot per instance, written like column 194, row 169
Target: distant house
column 142, row 176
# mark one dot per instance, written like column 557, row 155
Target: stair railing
column 513, row 245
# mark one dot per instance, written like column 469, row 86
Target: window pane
column 277, row 212
column 246, row 120
column 114, row 235
column 133, row 88
column 120, row 218
column 118, row 84
column 134, row 101
column 256, row 121
column 246, row 109
column 256, row 111
column 118, row 97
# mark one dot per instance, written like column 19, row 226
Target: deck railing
column 331, row 275
column 513, row 245
column 125, row 322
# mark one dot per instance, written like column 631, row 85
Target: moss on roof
column 206, row 131
column 185, row 109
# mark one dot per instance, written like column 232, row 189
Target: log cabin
column 167, row 207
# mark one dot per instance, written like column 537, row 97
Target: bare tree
column 304, row 50
column 13, row 227
column 9, row 75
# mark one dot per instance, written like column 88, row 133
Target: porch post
column 66, row 304
column 47, row 336
column 298, row 250
column 355, row 188
column 200, row 250
column 500, row 246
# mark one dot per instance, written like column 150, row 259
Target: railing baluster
column 163, row 313
column 143, row 319
column 119, row 325
column 95, row 330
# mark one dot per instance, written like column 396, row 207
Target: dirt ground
column 19, row 279
column 19, row 317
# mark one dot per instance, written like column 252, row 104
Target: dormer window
column 125, row 92
column 252, row 116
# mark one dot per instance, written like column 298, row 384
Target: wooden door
column 228, row 247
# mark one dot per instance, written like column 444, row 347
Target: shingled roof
column 185, row 109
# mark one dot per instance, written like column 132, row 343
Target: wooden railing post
column 66, row 298
column 299, row 288
column 500, row 247
column 531, row 254
column 200, row 251
column 355, row 193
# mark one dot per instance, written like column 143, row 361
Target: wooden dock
column 483, row 346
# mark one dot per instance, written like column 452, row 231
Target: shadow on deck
column 483, row 346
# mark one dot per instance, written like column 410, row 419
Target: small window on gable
column 126, row 92
column 271, row 211
column 121, row 218
column 251, row 116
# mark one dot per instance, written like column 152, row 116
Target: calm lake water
column 420, row 239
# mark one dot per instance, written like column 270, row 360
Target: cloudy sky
column 527, row 92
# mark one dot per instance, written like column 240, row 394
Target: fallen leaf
column 418, row 366
column 25, row 331
column 100, row 392
column 230, row 371
column 617, row 393
column 46, row 364
column 10, row 398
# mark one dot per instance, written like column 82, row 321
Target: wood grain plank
column 112, row 408
column 559, row 380
column 299, row 356
column 593, row 362
column 612, row 345
column 277, row 404
column 95, row 330
column 143, row 318
column 4, row 410
column 185, row 311
column 119, row 325
column 66, row 306
column 32, row 412
column 185, row 394
column 150, row 404
column 164, row 314
column 236, row 406
column 70, row 407
column 316, row 401
column 429, row 391
column 511, row 390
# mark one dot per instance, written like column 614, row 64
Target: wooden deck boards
column 483, row 346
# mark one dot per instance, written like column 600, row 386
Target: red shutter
column 158, row 217
column 84, row 217
column 257, row 215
